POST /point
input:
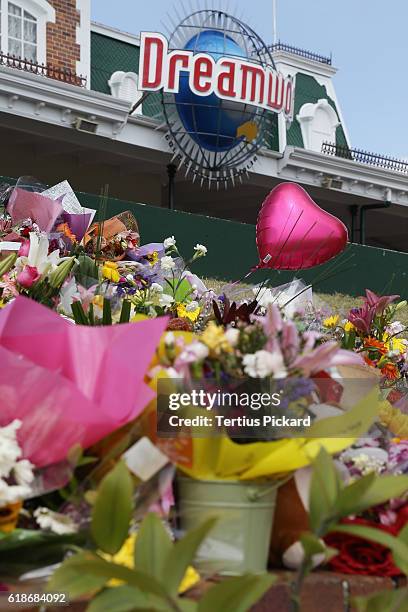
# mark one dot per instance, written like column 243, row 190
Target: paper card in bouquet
column 79, row 218
column 70, row 384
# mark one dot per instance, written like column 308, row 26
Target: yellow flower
column 331, row 322
column 395, row 344
column 214, row 337
column 153, row 258
column 110, row 271
column 125, row 557
column 348, row 326
column 183, row 313
column 97, row 300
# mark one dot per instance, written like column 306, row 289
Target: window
column 23, row 28
column 124, row 85
column 318, row 123
column 22, row 33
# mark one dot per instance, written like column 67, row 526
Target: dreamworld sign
column 236, row 80
column 220, row 93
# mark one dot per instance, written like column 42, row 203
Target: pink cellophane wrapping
column 70, row 384
column 29, row 205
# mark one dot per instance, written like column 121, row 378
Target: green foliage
column 179, row 289
column 107, row 312
column 182, row 554
column 25, row 550
column 385, row 601
column 83, row 318
column 57, row 277
column 7, row 263
column 324, row 489
column 86, row 271
column 113, row 510
column 160, row 564
column 330, row 501
column 236, row 594
column 120, row 599
column 153, row 546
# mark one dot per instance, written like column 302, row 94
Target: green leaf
column 125, row 312
column 236, row 594
column 70, row 578
column 385, row 601
column 79, row 315
column 398, row 548
column 401, row 561
column 324, row 488
column 112, row 510
column 107, row 312
column 91, row 567
column 26, row 550
column 186, row 605
column 152, row 546
column 370, row 491
column 119, row 599
column 182, row 555
column 86, row 273
column 180, row 290
column 7, row 263
column 312, row 545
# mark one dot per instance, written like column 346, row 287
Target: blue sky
column 368, row 39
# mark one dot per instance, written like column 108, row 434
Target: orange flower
column 375, row 345
column 390, row 371
column 66, row 230
column 369, row 362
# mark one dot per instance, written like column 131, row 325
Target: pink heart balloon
column 294, row 233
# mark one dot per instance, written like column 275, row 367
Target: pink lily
column 290, row 341
column 379, row 303
column 323, row 357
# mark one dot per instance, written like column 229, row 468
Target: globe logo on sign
column 211, row 122
column 220, row 94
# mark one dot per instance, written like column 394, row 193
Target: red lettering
column 203, row 73
column 226, row 79
column 152, row 54
column 257, row 76
column 177, row 62
column 275, row 91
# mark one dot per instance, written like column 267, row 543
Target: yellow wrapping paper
column 217, row 457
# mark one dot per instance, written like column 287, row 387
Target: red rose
column 360, row 556
column 402, row 517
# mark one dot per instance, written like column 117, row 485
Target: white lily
column 38, row 254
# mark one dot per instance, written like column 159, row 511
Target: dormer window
column 124, row 85
column 318, row 123
column 23, row 30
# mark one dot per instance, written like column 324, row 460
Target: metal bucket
column 239, row 542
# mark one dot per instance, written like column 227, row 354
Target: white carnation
column 55, row 522
column 169, row 242
column 167, row 264
column 263, row 363
column 200, row 250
